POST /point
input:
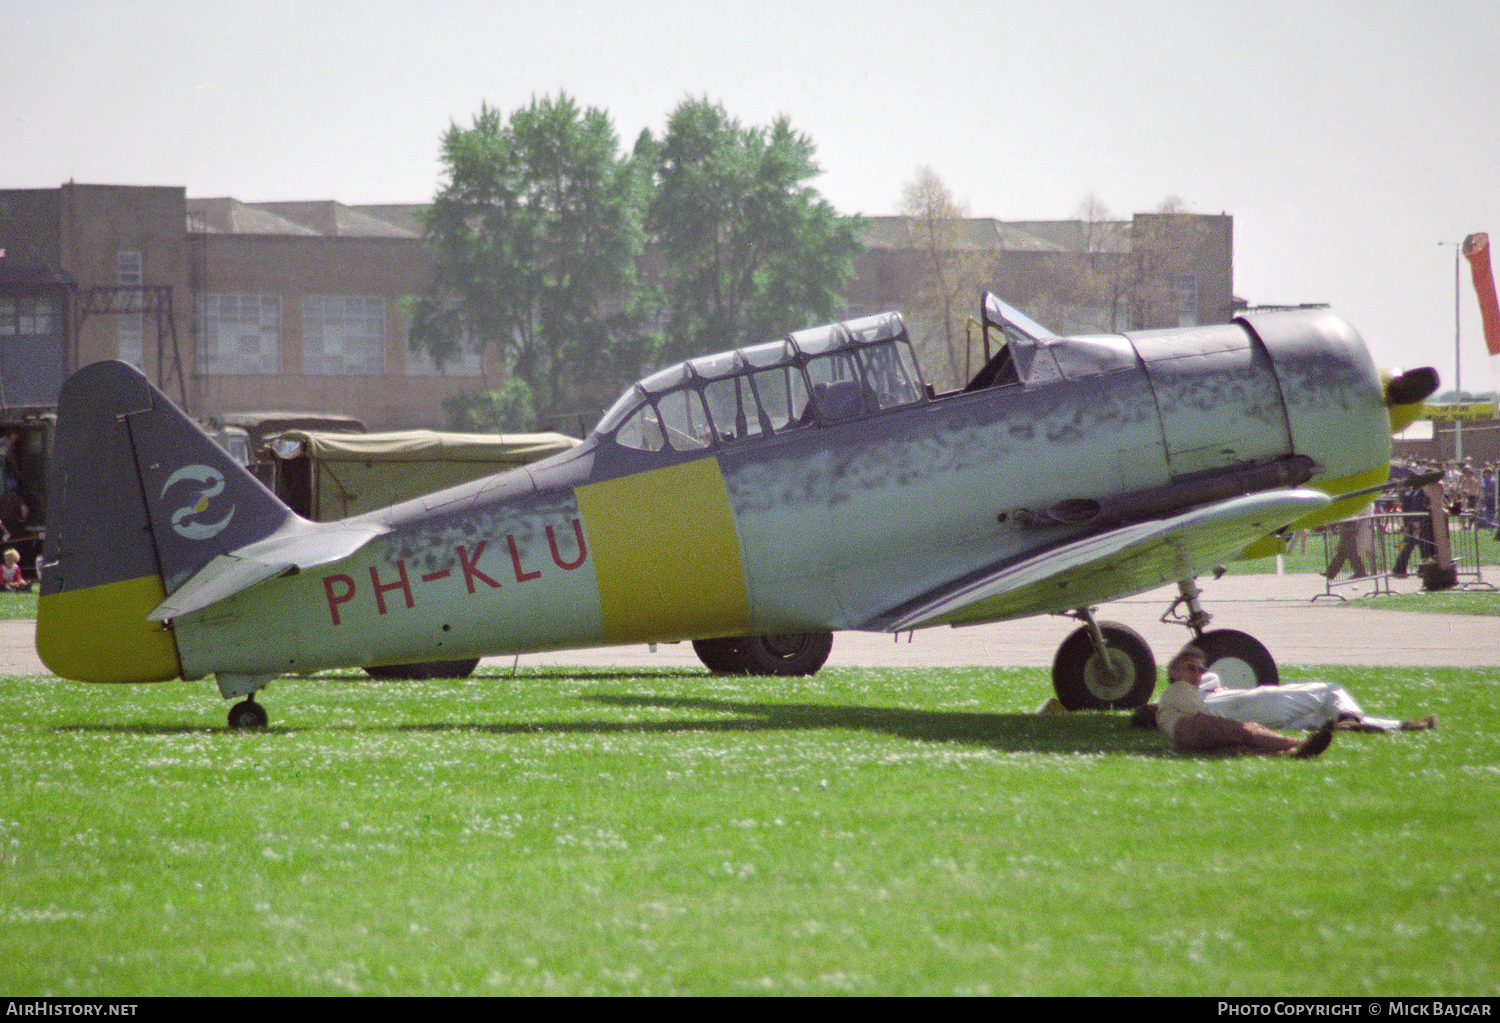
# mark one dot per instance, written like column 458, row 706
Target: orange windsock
column 1477, row 251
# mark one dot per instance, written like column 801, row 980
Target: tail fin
column 140, row 499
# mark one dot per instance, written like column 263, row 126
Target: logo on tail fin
column 189, row 520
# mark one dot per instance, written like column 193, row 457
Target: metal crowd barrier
column 1378, row 538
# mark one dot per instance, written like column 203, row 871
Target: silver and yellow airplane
column 753, row 502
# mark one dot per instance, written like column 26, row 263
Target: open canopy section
column 1018, row 350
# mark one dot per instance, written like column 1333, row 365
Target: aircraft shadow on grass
column 1015, row 733
column 1009, row 733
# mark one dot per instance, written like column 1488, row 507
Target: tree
column 1128, row 275
column 1089, row 282
column 945, row 282
column 535, row 231
column 507, row 410
column 1163, row 278
column 751, row 251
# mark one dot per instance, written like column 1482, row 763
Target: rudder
column 140, row 499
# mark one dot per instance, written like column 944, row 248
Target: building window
column 26, row 317
column 1187, row 300
column 343, row 335
column 241, row 334
column 132, row 326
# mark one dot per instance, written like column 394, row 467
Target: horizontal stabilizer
column 300, row 547
column 1119, row 562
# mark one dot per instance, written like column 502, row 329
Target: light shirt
column 1179, row 701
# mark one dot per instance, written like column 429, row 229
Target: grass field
column 864, row 831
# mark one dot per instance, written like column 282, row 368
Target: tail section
column 140, row 500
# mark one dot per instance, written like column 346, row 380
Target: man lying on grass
column 1293, row 706
column 1301, row 705
column 1183, row 716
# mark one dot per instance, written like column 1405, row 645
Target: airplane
column 753, row 502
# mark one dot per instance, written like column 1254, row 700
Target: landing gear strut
column 1239, row 659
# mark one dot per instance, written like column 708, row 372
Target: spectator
column 11, row 579
column 1293, row 705
column 1183, row 717
column 1354, row 547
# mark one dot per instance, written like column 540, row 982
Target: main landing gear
column 1108, row 666
column 1103, row 666
column 793, row 653
column 1239, row 659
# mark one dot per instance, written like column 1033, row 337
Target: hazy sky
column 1348, row 140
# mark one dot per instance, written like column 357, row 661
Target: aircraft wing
column 1116, row 563
column 278, row 554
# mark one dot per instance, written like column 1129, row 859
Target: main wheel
column 1239, row 659
column 792, row 653
column 1085, row 681
column 720, row 656
column 426, row 669
column 248, row 714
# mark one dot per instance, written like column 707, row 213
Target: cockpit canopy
column 837, row 374
column 820, row 376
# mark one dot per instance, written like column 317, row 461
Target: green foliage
column 751, row 249
column 868, row 831
column 535, row 230
column 538, row 227
column 507, row 410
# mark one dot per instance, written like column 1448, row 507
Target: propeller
column 1405, row 392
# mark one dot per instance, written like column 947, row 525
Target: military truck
column 324, row 476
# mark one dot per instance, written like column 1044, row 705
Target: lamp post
column 1458, row 423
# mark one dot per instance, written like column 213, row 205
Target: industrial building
column 232, row 306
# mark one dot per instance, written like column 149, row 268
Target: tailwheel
column 1239, row 659
column 248, row 714
column 1113, row 669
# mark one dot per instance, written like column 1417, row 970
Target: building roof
column 330, row 219
column 1009, row 236
column 318, row 218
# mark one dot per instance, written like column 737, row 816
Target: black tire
column 720, row 656
column 792, row 653
column 1239, row 659
column 1081, row 681
column 248, row 714
column 426, row 669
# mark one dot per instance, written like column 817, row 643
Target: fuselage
column 814, row 484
